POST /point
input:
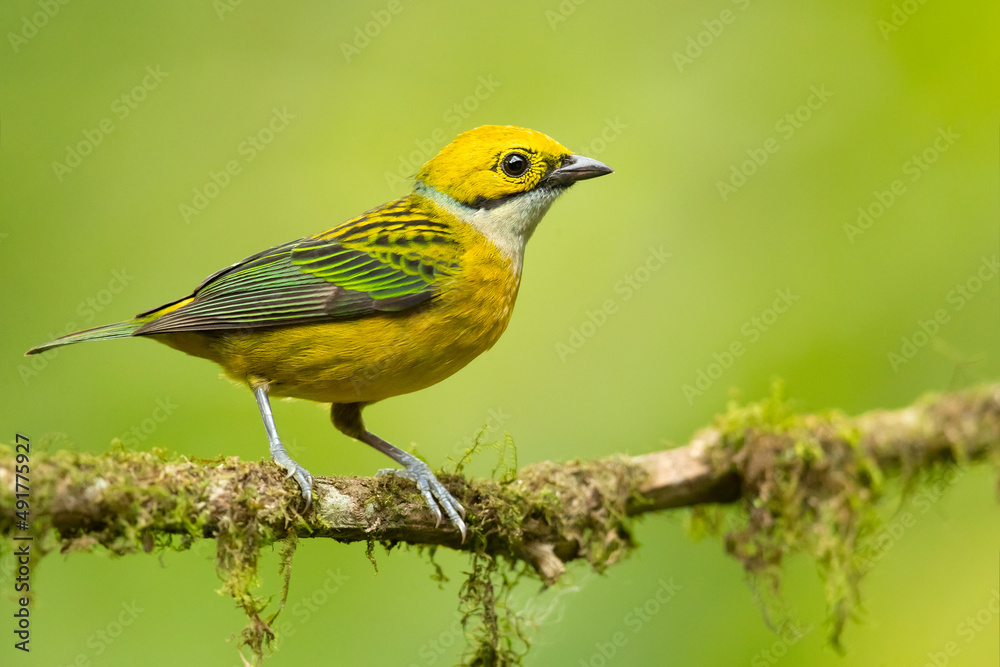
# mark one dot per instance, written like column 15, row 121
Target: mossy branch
column 805, row 483
column 549, row 515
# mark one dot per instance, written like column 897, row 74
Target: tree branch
column 550, row 514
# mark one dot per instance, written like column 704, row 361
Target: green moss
column 808, row 487
column 497, row 636
column 559, row 511
column 152, row 501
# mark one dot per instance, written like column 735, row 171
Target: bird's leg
column 278, row 453
column 347, row 419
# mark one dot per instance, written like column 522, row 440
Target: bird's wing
column 388, row 259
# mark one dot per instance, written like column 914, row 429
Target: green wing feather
column 388, row 259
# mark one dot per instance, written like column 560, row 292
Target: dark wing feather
column 389, row 259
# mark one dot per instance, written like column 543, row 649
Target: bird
column 387, row 303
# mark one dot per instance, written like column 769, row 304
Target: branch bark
column 550, row 514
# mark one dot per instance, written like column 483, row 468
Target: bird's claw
column 302, row 476
column 434, row 492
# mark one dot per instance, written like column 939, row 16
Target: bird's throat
column 508, row 226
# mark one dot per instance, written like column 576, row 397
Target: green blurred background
column 673, row 97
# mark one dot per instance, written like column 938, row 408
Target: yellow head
column 497, row 161
column 502, row 179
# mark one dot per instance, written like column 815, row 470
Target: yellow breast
column 377, row 356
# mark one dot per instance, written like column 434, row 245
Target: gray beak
column 577, row 168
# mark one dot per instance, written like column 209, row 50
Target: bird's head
column 502, row 179
column 494, row 163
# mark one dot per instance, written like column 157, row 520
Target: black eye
column 515, row 164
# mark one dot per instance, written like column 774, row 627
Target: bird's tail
column 107, row 332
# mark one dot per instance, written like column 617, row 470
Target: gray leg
column 347, row 418
column 278, row 453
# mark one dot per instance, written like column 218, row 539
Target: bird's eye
column 515, row 164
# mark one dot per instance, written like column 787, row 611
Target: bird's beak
column 577, row 168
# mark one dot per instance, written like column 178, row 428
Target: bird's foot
column 302, row 476
column 434, row 493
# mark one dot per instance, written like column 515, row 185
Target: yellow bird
column 390, row 302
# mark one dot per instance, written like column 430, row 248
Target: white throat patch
column 509, row 225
